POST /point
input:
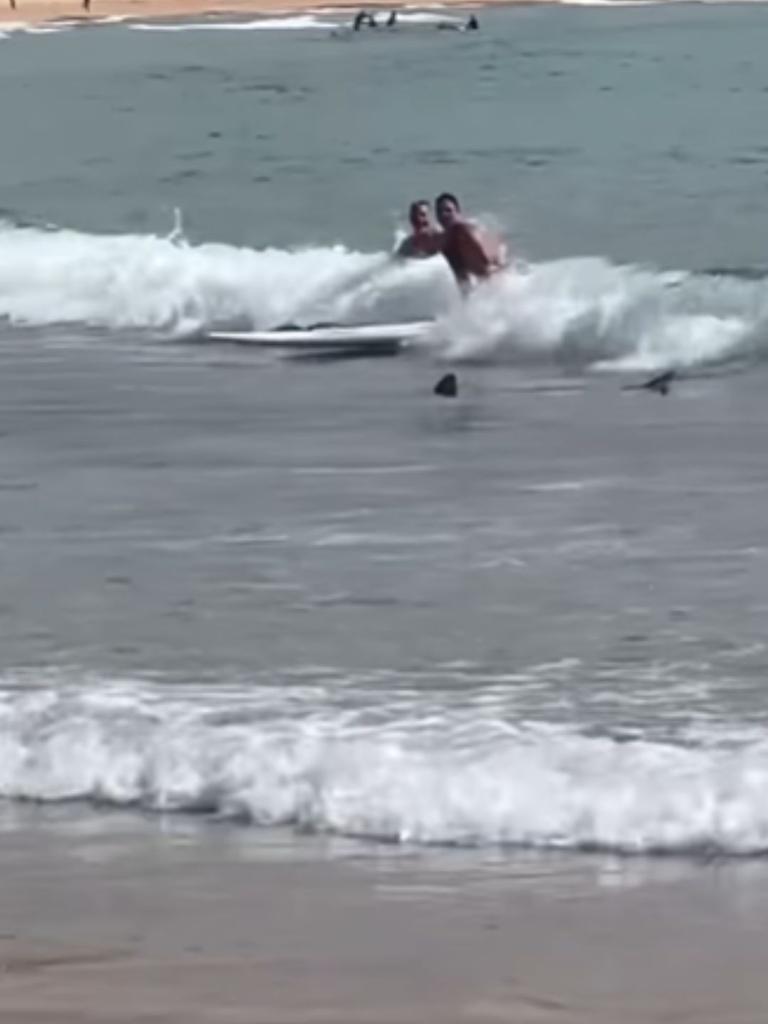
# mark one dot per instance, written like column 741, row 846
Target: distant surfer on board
column 425, row 238
column 473, row 253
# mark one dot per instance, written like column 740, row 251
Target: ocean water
column 316, row 595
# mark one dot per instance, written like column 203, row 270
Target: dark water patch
column 19, row 485
column 742, row 273
column 281, row 90
column 678, row 155
column 185, row 175
column 200, row 154
column 523, row 151
column 440, row 157
column 272, row 88
column 747, row 160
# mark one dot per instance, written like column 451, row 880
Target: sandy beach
column 135, row 923
column 38, row 11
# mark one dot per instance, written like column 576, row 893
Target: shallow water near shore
column 195, row 923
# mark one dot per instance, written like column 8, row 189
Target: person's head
column 447, row 209
column 419, row 215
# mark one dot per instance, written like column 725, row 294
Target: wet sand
column 37, row 11
column 126, row 921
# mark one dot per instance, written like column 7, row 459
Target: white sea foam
column 322, row 18
column 416, row 767
column 428, row 18
column 9, row 28
column 583, row 312
column 45, row 30
column 297, row 23
column 616, row 3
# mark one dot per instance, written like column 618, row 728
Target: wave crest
column 467, row 774
column 580, row 312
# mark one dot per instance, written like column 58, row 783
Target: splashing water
column 584, row 312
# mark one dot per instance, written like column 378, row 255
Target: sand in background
column 36, row 11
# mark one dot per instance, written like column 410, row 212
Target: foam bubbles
column 141, row 281
column 414, row 769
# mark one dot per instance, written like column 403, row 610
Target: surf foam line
column 294, row 23
column 581, row 312
column 421, row 769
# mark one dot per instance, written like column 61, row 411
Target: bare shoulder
column 465, row 229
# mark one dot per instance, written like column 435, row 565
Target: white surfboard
column 374, row 336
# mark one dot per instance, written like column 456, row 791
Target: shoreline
column 128, row 921
column 48, row 12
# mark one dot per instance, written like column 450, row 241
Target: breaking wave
column 414, row 768
column 583, row 312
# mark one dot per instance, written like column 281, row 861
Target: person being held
column 425, row 238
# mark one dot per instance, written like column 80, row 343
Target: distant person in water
column 363, row 18
column 360, row 17
column 471, row 25
column 472, row 253
column 425, row 239
column 392, row 19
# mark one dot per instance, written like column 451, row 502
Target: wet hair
column 447, row 197
column 414, row 208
